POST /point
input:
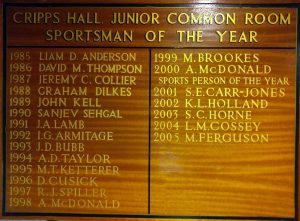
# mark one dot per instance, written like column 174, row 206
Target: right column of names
column 223, row 132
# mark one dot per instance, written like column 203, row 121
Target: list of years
column 82, row 124
column 67, row 120
column 213, row 96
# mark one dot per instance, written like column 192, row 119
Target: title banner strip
column 202, row 26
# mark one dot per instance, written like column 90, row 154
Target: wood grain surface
column 230, row 178
column 186, row 179
column 277, row 35
column 128, row 151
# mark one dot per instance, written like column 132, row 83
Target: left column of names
column 77, row 130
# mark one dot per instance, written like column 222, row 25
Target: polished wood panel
column 247, row 180
column 267, row 35
column 125, row 188
column 221, row 177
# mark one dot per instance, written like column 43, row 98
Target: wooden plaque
column 150, row 110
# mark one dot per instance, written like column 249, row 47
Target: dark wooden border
column 149, row 3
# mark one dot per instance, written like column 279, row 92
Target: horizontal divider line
column 162, row 5
column 151, row 216
column 34, row 46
